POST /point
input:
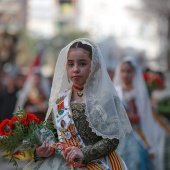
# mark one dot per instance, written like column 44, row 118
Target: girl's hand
column 44, row 150
column 73, row 152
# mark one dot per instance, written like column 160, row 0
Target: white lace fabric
column 105, row 113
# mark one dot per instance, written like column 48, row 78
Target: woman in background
column 138, row 149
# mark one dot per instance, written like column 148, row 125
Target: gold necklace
column 79, row 90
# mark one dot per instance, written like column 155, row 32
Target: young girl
column 86, row 112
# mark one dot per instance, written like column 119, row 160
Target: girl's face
column 126, row 74
column 78, row 66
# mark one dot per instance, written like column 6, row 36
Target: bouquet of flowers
column 153, row 82
column 22, row 133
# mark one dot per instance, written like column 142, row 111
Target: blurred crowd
column 30, row 93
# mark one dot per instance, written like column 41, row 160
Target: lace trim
column 103, row 124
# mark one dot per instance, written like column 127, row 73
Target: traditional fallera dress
column 75, row 131
column 134, row 148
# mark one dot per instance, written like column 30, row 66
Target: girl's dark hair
column 128, row 62
column 83, row 46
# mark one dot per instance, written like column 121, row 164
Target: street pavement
column 5, row 165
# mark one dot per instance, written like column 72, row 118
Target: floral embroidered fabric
column 96, row 146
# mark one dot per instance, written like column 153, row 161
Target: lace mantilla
column 104, row 111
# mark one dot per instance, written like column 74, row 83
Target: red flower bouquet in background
column 153, row 81
column 22, row 133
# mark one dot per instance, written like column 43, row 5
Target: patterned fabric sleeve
column 99, row 149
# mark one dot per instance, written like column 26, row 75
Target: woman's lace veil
column 105, row 113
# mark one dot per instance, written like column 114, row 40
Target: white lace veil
column 142, row 98
column 105, row 113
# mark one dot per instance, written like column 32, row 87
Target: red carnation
column 159, row 81
column 23, row 121
column 13, row 121
column 31, row 118
column 146, row 76
column 5, row 128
